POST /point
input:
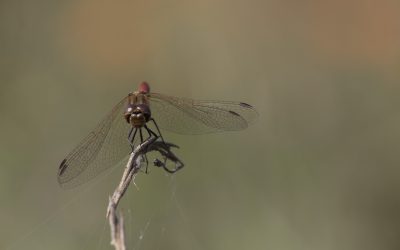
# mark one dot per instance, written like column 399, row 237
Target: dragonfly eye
column 127, row 113
column 127, row 117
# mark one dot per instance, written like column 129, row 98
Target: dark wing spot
column 233, row 113
column 62, row 167
column 243, row 104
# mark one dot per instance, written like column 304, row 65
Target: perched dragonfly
column 113, row 139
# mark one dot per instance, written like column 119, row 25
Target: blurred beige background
column 319, row 170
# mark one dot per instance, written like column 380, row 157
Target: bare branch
column 131, row 169
column 117, row 222
column 117, row 229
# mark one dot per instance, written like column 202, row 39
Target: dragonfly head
column 137, row 115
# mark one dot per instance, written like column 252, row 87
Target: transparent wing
column 104, row 147
column 187, row 116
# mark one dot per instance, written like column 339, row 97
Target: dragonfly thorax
column 137, row 115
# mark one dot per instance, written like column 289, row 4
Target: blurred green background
column 320, row 169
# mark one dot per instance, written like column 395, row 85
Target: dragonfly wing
column 187, row 116
column 104, row 147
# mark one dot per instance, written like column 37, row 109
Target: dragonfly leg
column 141, row 135
column 145, row 156
column 147, row 163
column 158, row 130
column 131, row 138
column 151, row 132
column 130, row 133
column 159, row 163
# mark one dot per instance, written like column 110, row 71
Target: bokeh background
column 320, row 169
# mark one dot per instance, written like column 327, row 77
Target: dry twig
column 131, row 169
column 117, row 229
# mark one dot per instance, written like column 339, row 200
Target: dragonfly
column 143, row 112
